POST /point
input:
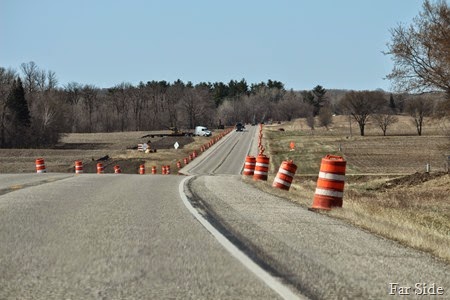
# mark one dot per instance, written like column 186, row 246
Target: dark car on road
column 239, row 127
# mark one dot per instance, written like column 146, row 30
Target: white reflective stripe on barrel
column 331, row 176
column 288, row 184
column 249, row 164
column 285, row 172
column 258, row 164
column 42, row 165
column 260, row 173
column 331, row 193
column 41, row 171
column 248, row 170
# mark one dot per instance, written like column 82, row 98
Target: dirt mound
column 167, row 142
column 411, row 180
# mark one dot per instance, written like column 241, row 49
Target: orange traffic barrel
column 330, row 184
column 186, row 160
column 285, row 175
column 163, row 170
column 154, row 170
column 78, row 167
column 117, row 169
column 261, row 167
column 191, row 157
column 142, row 169
column 40, row 166
column 249, row 166
column 167, row 170
column 194, row 154
column 100, row 169
column 178, row 165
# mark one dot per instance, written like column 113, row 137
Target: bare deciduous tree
column 89, row 94
column 196, row 104
column 361, row 105
column 419, row 108
column 421, row 51
column 310, row 121
column 325, row 116
column 384, row 120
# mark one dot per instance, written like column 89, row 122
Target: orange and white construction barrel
column 40, row 166
column 249, row 166
column 330, row 184
column 285, row 175
column 78, row 167
column 100, row 169
column 142, row 169
column 117, row 169
column 261, row 167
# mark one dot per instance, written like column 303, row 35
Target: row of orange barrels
column 165, row 169
column 330, row 183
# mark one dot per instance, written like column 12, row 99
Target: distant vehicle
column 239, row 127
column 202, row 131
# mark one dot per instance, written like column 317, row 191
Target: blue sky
column 334, row 43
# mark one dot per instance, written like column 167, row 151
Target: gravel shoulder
column 324, row 258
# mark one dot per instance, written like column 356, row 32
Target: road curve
column 321, row 257
column 112, row 237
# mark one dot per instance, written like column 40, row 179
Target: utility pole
column 350, row 123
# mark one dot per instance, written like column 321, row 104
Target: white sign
column 142, row 147
column 176, row 145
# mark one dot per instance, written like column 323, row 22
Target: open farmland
column 119, row 147
column 387, row 189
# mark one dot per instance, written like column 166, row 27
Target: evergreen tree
column 273, row 84
column 392, row 103
column 18, row 104
column 319, row 98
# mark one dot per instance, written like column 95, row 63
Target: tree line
column 34, row 110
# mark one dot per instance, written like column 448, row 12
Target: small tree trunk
column 361, row 128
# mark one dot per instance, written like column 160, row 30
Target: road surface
column 322, row 257
column 132, row 237
column 111, row 237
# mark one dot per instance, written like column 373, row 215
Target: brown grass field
column 88, row 147
column 387, row 190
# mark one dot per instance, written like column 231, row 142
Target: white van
column 202, row 131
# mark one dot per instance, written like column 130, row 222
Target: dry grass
column 387, row 191
column 88, row 147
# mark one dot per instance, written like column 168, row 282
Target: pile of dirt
column 168, row 142
column 411, row 180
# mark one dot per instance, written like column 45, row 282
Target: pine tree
column 18, row 105
column 392, row 103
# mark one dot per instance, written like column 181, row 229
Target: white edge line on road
column 268, row 279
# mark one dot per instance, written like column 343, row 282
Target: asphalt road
column 226, row 157
column 111, row 237
column 321, row 257
column 132, row 237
